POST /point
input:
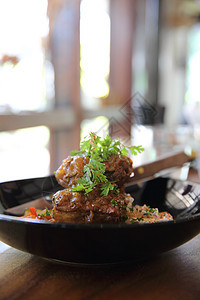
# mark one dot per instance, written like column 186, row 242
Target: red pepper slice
column 33, row 211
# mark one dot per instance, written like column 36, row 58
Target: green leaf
column 124, row 151
column 78, row 188
column 47, row 212
column 99, row 150
column 125, row 217
column 75, row 152
column 136, row 149
column 107, row 187
column 114, row 202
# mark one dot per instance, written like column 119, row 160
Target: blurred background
column 129, row 68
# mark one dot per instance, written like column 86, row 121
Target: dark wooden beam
column 122, row 16
column 65, row 54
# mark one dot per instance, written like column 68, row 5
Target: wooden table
column 172, row 275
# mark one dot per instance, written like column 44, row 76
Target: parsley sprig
column 99, row 150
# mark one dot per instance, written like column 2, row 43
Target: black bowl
column 101, row 243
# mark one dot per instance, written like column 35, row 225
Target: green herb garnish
column 48, row 212
column 125, row 217
column 133, row 220
column 150, row 211
column 99, row 150
column 123, row 207
column 114, row 202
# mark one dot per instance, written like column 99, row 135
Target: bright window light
column 23, row 26
column 24, row 153
column 95, row 47
column 192, row 93
column 99, row 125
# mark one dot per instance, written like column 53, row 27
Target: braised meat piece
column 94, row 178
column 70, row 170
column 118, row 168
column 76, row 207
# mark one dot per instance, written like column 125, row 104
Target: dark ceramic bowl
column 101, row 243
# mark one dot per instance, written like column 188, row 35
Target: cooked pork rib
column 80, row 207
column 117, row 168
column 70, row 170
column 77, row 207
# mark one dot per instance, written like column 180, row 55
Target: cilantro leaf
column 107, row 187
column 136, row 149
column 124, row 151
column 75, row 152
column 99, row 150
column 114, row 202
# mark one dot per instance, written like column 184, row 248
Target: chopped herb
column 133, row 220
column 131, row 209
column 124, row 218
column 136, row 219
column 40, row 215
column 48, row 212
column 140, row 219
column 123, row 207
column 114, row 202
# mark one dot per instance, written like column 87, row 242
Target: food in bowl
column 93, row 180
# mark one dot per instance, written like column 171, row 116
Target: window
column 22, row 70
column 56, row 81
column 95, row 49
column 23, row 153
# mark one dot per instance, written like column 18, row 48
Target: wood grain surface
column 172, row 275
